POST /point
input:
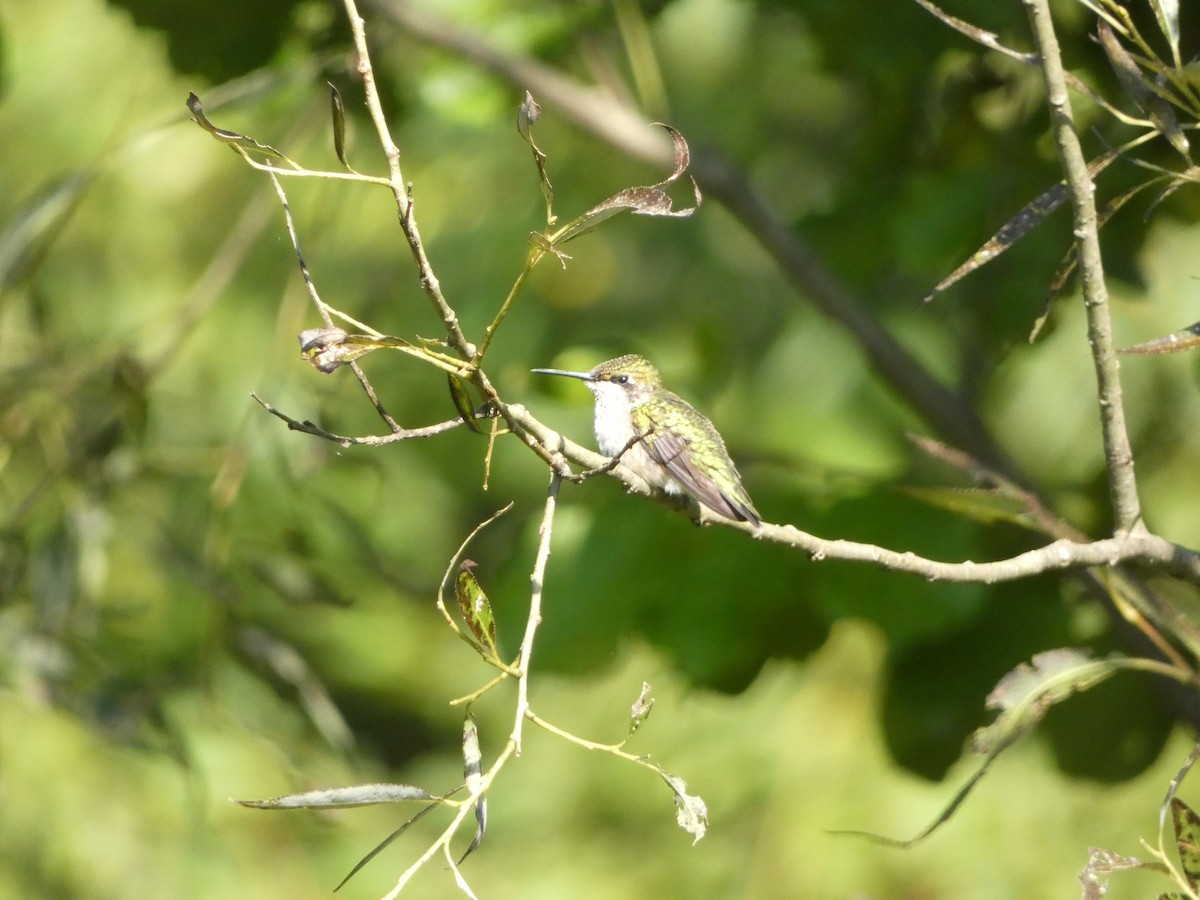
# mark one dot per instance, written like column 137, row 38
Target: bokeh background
column 197, row 604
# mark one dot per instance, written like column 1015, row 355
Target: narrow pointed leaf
column 1142, row 89
column 1186, row 339
column 1058, row 281
column 462, row 401
column 1026, row 220
column 338, row 112
column 27, row 237
column 476, row 610
column 987, row 505
column 690, row 811
column 473, row 770
column 336, row 798
column 384, row 843
column 1167, row 13
column 231, row 137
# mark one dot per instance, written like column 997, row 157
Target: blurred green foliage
column 168, row 550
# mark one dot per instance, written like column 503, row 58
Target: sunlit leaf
column 642, row 201
column 336, row 798
column 1026, row 220
column 1026, row 694
column 231, row 137
column 476, row 610
column 1142, row 90
column 1187, row 839
column 1167, row 13
column 462, row 401
column 1102, row 863
column 473, row 770
column 690, row 810
column 1185, row 339
column 329, row 348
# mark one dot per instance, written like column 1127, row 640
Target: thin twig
column 537, row 579
column 401, row 190
column 370, row 440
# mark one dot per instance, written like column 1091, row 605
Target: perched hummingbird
column 679, row 451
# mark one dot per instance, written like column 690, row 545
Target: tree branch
column 1127, row 515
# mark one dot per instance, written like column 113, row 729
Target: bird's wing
column 674, row 454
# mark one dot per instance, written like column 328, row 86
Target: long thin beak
column 583, row 376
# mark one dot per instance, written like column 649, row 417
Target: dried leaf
column 476, row 610
column 527, row 113
column 328, row 348
column 641, row 708
column 462, row 401
column 1187, row 339
column 1102, row 863
column 337, row 798
column 643, row 201
column 231, row 137
column 690, row 810
column 473, row 769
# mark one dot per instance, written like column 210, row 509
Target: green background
column 169, row 550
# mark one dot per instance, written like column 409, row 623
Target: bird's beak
column 583, row 376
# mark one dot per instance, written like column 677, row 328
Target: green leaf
column 1025, row 694
column 988, row 505
column 476, row 610
column 1167, row 13
column 338, row 111
column 336, row 798
column 462, row 401
column 1187, row 840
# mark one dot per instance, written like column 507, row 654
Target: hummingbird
column 674, row 448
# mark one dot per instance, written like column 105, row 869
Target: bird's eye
column 622, row 379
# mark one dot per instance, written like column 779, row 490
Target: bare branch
column 1127, row 513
